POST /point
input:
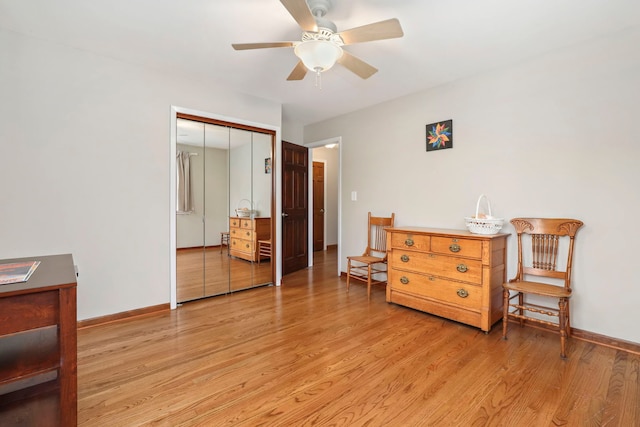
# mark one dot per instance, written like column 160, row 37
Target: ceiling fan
column 320, row 46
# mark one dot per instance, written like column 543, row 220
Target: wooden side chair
column 545, row 256
column 369, row 264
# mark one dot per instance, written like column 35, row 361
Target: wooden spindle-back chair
column 539, row 257
column 368, row 267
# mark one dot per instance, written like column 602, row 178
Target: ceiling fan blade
column 356, row 65
column 301, row 13
column 389, row 29
column 245, row 46
column 298, row 72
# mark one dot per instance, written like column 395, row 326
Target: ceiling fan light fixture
column 318, row 55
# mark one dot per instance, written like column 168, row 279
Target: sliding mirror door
column 216, row 195
column 189, row 198
column 201, row 212
column 223, row 217
column 261, row 194
column 250, row 193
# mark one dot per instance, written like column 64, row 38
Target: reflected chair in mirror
column 264, row 249
column 545, row 258
column 224, row 241
column 371, row 265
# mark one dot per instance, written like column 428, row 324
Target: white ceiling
column 444, row 40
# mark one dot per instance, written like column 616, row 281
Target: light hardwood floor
column 308, row 353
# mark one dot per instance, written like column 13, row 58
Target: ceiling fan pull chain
column 318, row 79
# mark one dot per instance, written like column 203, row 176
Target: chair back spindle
column 378, row 238
column 545, row 251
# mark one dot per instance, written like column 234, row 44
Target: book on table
column 16, row 272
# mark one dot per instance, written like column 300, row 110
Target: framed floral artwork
column 440, row 135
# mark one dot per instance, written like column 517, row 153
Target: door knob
column 321, row 210
column 284, row 215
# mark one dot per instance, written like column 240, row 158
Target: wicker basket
column 246, row 212
column 484, row 223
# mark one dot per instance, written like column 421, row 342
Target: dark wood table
column 38, row 346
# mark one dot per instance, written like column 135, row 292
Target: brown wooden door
column 318, row 206
column 295, row 202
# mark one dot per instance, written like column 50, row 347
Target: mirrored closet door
column 224, row 203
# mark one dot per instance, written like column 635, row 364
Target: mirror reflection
column 223, row 209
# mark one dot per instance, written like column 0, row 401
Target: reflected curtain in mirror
column 184, row 200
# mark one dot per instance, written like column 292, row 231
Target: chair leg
column 348, row 274
column 505, row 312
column 521, row 310
column 562, row 305
column 369, row 282
column 568, row 320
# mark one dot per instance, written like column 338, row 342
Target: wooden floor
column 308, row 353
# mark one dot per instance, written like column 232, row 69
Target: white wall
column 292, row 132
column 554, row 137
column 85, row 148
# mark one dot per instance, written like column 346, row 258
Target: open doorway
column 328, row 153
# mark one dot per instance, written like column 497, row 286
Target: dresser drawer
column 463, row 294
column 246, row 223
column 241, row 245
column 410, row 241
column 241, row 233
column 467, row 270
column 456, row 246
column 234, row 222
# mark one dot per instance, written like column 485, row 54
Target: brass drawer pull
column 454, row 247
column 432, row 279
column 248, row 233
column 404, row 258
column 247, row 245
column 408, row 242
column 404, row 280
column 462, row 293
column 462, row 268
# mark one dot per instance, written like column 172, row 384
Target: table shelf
column 38, row 346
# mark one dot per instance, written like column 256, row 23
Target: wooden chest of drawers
column 449, row 273
column 244, row 234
